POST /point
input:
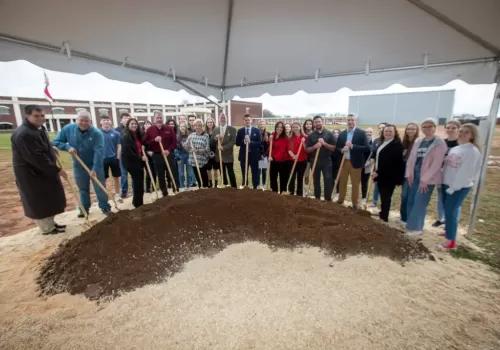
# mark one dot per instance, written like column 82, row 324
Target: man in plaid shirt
column 198, row 143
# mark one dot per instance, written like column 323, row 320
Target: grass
column 487, row 234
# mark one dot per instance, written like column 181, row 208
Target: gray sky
column 23, row 79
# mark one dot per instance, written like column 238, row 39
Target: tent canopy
column 248, row 48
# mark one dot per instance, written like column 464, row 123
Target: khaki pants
column 46, row 225
column 355, row 175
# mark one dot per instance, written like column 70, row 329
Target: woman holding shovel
column 299, row 155
column 281, row 146
column 198, row 143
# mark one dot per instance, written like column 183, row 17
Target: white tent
column 247, row 48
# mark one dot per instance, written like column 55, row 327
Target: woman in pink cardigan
column 423, row 173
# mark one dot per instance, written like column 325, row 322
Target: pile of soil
column 146, row 245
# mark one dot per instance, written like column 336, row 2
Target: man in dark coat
column 38, row 177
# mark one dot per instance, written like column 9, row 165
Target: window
column 78, row 110
column 123, row 111
column 140, row 111
column 4, row 110
column 6, row 126
column 58, row 110
column 103, row 112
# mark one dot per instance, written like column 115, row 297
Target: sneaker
column 414, row 233
column 124, row 195
column 118, row 198
column 106, row 212
column 336, row 197
column 373, row 205
column 60, row 226
column 438, row 223
column 447, row 245
column 363, row 202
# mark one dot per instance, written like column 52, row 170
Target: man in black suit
column 354, row 143
column 249, row 135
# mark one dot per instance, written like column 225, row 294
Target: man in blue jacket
column 87, row 142
column 251, row 135
column 354, row 144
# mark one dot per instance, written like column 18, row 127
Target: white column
column 58, row 123
column 148, row 109
column 92, row 114
column 132, row 110
column 113, row 113
column 394, row 108
column 229, row 113
column 216, row 117
column 17, row 111
column 164, row 111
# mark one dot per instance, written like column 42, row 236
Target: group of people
column 191, row 153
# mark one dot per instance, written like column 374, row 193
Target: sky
column 23, row 79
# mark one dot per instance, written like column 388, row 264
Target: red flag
column 48, row 96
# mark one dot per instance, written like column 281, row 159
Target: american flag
column 48, row 96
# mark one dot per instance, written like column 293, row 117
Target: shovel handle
column 149, row 171
column 168, row 167
column 84, row 166
column 313, row 168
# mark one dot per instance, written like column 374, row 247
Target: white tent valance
column 248, row 48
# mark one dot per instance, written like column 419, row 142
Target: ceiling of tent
column 274, row 46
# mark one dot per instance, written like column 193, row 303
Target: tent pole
column 492, row 121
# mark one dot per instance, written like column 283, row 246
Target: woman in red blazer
column 297, row 151
column 279, row 155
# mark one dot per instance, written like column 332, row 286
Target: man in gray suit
column 227, row 136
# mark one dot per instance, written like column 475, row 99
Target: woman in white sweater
column 459, row 173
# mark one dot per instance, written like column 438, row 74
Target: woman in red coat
column 278, row 157
column 298, row 152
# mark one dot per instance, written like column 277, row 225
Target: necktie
column 247, row 131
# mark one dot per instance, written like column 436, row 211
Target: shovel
column 287, row 192
column 174, row 185
column 370, row 183
column 84, row 166
column 87, row 223
column 221, row 185
column 266, row 186
column 150, row 172
column 246, row 167
column 311, row 180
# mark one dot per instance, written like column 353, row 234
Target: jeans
column 452, row 207
column 403, row 210
column 325, row 168
column 417, row 204
column 264, row 176
column 182, row 164
column 82, row 180
column 123, row 179
column 137, row 187
column 376, row 193
column 440, row 205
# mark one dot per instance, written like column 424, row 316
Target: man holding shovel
column 322, row 141
column 85, row 141
column 226, row 137
column 38, row 177
column 249, row 135
column 353, row 144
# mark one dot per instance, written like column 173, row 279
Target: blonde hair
column 454, row 122
column 475, row 134
column 430, row 121
column 198, row 120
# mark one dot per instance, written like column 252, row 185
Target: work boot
column 216, row 183
column 209, row 183
column 82, row 215
column 106, row 212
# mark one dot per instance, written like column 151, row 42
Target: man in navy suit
column 249, row 135
column 354, row 143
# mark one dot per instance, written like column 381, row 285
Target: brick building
column 62, row 112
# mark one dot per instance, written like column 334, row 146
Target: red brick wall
column 11, row 117
column 238, row 111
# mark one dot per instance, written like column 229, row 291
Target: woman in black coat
column 133, row 159
column 389, row 168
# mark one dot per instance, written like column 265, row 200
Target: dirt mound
column 147, row 245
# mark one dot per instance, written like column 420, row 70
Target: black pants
column 386, row 191
column 365, row 178
column 282, row 170
column 203, row 182
column 137, row 186
column 228, row 167
column 298, row 174
column 254, row 168
column 161, row 172
column 175, row 171
column 148, row 178
column 323, row 167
